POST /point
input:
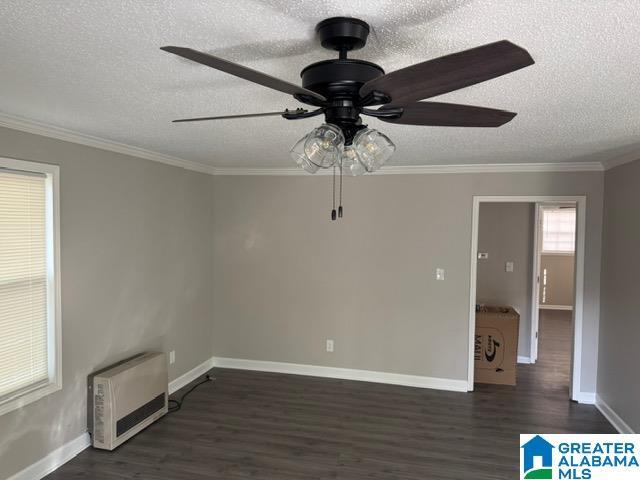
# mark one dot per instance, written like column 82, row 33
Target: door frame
column 535, row 286
column 577, row 317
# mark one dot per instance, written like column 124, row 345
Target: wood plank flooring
column 252, row 425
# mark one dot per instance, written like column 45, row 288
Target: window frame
column 36, row 391
column 560, row 253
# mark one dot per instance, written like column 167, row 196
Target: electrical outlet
column 329, row 345
column 439, row 273
column 172, row 357
column 483, row 256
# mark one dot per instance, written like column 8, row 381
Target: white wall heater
column 125, row 398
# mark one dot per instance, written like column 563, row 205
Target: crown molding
column 43, row 129
column 39, row 128
column 431, row 169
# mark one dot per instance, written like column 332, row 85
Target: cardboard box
column 496, row 345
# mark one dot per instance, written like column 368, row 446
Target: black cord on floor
column 177, row 404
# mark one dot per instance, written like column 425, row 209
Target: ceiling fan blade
column 242, row 72
column 449, row 73
column 448, row 115
column 227, row 117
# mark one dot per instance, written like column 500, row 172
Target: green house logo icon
column 537, row 447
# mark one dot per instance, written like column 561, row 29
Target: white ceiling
column 94, row 67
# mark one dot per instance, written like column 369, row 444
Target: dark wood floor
column 281, row 427
column 552, row 371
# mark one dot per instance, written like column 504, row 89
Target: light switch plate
column 508, row 267
column 483, row 256
column 439, row 273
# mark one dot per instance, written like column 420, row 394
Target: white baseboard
column 343, row 373
column 555, row 307
column 523, row 359
column 190, row 376
column 54, row 460
column 618, row 423
column 588, row 398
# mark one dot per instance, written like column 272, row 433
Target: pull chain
column 333, row 212
column 340, row 205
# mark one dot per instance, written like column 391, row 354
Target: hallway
column 552, row 371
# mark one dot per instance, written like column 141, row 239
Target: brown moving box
column 496, row 345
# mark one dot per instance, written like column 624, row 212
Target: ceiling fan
column 343, row 89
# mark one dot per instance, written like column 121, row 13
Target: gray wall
column 619, row 358
column 560, row 279
column 505, row 232
column 136, row 274
column 286, row 278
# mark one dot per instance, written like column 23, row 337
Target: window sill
column 557, row 254
column 21, row 400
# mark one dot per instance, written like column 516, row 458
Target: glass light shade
column 298, row 155
column 374, row 148
column 351, row 164
column 324, row 144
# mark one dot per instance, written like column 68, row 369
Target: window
column 558, row 230
column 29, row 287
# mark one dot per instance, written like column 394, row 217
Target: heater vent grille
column 134, row 418
column 98, row 428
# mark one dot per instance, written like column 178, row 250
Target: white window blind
column 558, row 230
column 24, row 359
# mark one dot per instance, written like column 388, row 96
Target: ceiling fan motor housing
column 339, row 80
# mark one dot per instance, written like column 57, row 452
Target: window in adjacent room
column 559, row 230
column 29, row 283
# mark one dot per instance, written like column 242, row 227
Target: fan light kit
column 326, row 146
column 343, row 89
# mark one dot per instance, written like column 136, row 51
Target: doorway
column 554, row 276
column 554, row 270
column 578, row 204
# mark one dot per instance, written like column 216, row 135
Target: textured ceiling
column 95, row 67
